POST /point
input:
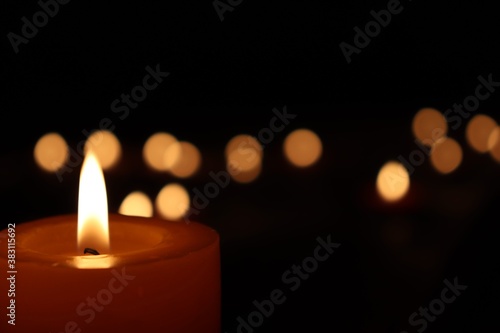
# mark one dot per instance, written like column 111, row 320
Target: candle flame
column 93, row 230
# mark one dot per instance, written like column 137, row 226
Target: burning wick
column 89, row 250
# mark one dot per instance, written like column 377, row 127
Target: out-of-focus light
column 51, row 151
column 136, row 203
column 429, row 125
column 478, row 132
column 172, row 155
column 242, row 142
column 105, row 146
column 303, row 147
column 172, row 202
column 155, row 148
column 243, row 152
column 494, row 144
column 446, row 155
column 240, row 176
column 393, row 181
column 243, row 163
column 189, row 161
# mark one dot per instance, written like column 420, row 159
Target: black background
column 225, row 79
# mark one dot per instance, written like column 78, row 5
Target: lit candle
column 83, row 273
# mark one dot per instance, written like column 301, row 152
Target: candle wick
column 89, row 250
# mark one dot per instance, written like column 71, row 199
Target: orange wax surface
column 159, row 276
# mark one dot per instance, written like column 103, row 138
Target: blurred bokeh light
column 172, row 155
column 494, row 144
column 446, row 155
column 136, row 203
column 51, row 152
column 478, row 131
column 393, row 181
column 243, row 152
column 106, row 147
column 155, row 151
column 429, row 125
column 172, row 202
column 243, row 176
column 189, row 161
column 303, row 147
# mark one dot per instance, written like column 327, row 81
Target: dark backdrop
column 225, row 79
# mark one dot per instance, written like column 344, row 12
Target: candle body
column 160, row 276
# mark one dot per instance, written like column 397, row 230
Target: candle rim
column 209, row 237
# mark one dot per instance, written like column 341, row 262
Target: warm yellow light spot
column 494, row 144
column 393, row 181
column 136, row 204
column 106, row 146
column 51, row 152
column 429, row 125
column 241, row 142
column 243, row 151
column 172, row 155
column 172, row 202
column 94, row 261
column 189, row 161
column 155, row 148
column 303, row 147
column 478, row 132
column 493, row 138
column 243, row 162
column 243, row 176
column 93, row 230
column 446, row 155
column 243, row 158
